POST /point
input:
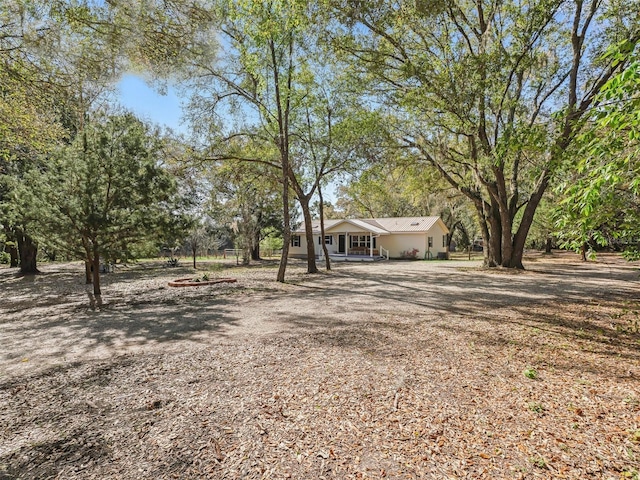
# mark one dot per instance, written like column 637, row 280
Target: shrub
column 410, row 254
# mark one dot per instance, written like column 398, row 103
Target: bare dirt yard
column 384, row 370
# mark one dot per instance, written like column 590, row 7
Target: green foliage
column 108, row 191
column 530, row 373
column 601, row 187
column 245, row 200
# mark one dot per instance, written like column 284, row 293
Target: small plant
column 537, row 408
column 5, row 258
column 530, row 373
column 202, row 278
column 539, row 462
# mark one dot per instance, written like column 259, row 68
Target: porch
column 354, row 245
column 354, row 258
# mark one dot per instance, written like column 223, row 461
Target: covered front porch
column 354, row 240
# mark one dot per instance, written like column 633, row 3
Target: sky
column 147, row 103
column 164, row 110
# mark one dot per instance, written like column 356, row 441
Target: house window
column 444, row 240
column 328, row 239
column 430, row 242
column 356, row 241
column 295, row 241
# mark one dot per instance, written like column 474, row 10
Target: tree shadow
column 451, row 301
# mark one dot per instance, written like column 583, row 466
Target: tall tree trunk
column 87, row 272
column 547, row 248
column 308, row 230
column 194, row 251
column 327, row 260
column 255, row 251
column 283, row 106
column 96, row 270
column 493, row 256
column 28, row 251
column 286, row 231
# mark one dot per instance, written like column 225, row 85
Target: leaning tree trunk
column 520, row 237
column 286, row 231
column 28, row 251
column 327, row 260
column 308, row 230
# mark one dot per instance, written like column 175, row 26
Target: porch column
column 371, row 244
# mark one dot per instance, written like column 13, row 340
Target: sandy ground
column 392, row 369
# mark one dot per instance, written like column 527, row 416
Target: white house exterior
column 398, row 237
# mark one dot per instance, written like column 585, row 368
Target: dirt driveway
column 392, row 369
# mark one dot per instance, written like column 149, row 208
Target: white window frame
column 295, row 240
column 356, row 241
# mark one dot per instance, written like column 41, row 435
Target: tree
column 601, row 188
column 254, row 76
column 108, row 191
column 490, row 94
column 245, row 198
column 263, row 77
column 52, row 67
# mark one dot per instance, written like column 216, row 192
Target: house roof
column 408, row 224
column 382, row 226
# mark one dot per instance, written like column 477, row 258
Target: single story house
column 398, row 237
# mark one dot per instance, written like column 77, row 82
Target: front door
column 341, row 243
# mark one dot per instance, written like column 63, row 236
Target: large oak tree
column 489, row 93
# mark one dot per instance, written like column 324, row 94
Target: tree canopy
column 490, row 94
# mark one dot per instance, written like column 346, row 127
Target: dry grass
column 388, row 370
